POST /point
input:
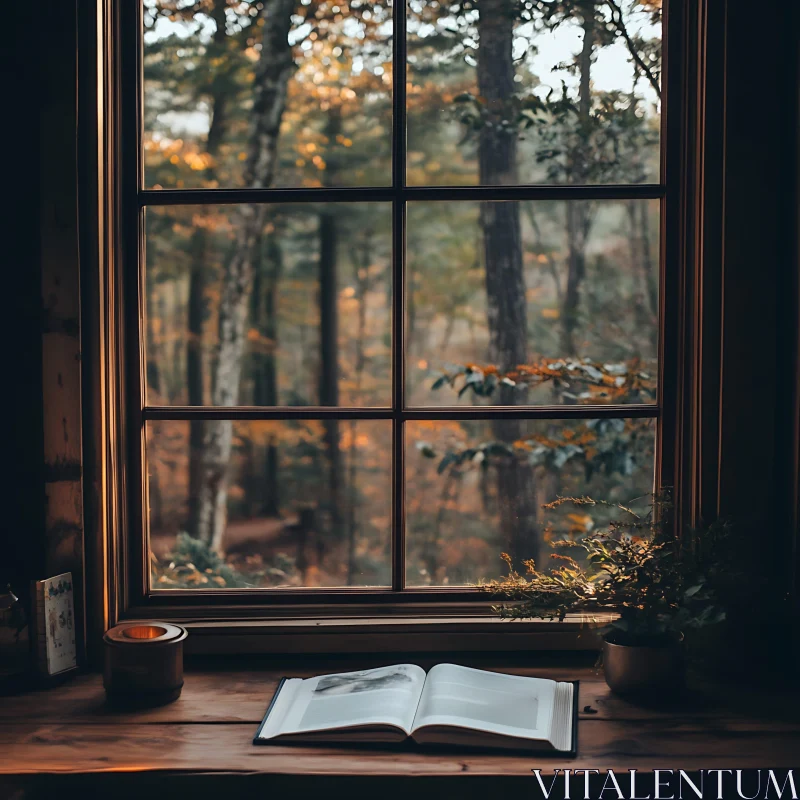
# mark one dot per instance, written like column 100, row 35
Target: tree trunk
column 198, row 280
column 649, row 271
column 265, row 371
column 154, row 347
column 642, row 316
column 579, row 211
column 505, row 281
column 329, row 333
column 269, row 100
column 362, row 281
column 433, row 541
column 577, row 217
column 154, row 495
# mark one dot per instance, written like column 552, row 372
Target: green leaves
column 426, row 449
column 450, row 458
column 598, row 445
column 655, row 584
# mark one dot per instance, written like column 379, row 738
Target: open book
column 451, row 705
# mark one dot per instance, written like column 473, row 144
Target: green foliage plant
column 637, row 567
column 192, row 563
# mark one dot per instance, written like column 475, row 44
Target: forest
column 540, row 302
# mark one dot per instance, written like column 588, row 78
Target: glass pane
column 269, row 305
column 312, row 109
column 269, row 503
column 504, row 92
column 536, row 303
column 475, row 490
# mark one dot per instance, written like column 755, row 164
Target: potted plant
column 659, row 586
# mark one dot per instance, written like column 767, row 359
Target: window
column 401, row 281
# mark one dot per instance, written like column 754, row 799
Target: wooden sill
column 391, row 634
column 68, row 741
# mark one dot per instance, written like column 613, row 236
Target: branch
column 620, row 382
column 616, row 14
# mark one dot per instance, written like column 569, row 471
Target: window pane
column 269, row 305
column 503, row 92
column 297, row 510
column 475, row 490
column 215, row 100
column 544, row 302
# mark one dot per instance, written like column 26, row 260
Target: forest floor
column 262, row 535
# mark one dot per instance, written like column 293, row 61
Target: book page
column 508, row 705
column 383, row 696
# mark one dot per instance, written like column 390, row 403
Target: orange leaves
column 258, row 343
column 580, row 380
column 198, row 161
column 354, row 439
column 581, row 523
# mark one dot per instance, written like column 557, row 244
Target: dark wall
column 43, row 513
column 22, row 521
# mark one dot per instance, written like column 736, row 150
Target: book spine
column 38, row 628
column 257, row 738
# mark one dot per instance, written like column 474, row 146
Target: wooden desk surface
column 206, row 735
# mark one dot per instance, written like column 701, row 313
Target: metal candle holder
column 143, row 663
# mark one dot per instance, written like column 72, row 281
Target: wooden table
column 202, row 743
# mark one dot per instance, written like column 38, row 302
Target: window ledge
column 393, row 634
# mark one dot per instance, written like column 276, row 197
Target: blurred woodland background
column 538, row 302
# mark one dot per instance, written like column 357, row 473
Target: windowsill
column 202, row 743
column 368, row 633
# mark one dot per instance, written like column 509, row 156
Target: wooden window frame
column 689, row 329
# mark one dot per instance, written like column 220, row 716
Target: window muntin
column 632, row 355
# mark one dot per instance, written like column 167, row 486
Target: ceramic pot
column 644, row 670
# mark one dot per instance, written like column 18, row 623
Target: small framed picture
column 54, row 614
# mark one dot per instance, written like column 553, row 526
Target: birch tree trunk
column 272, row 76
column 505, row 280
column 329, row 332
column 198, row 279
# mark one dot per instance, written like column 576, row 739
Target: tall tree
column 329, row 328
column 268, row 270
column 272, row 76
column 642, row 263
column 218, row 94
column 505, row 281
column 579, row 212
column 362, row 261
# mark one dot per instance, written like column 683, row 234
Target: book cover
column 58, row 623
